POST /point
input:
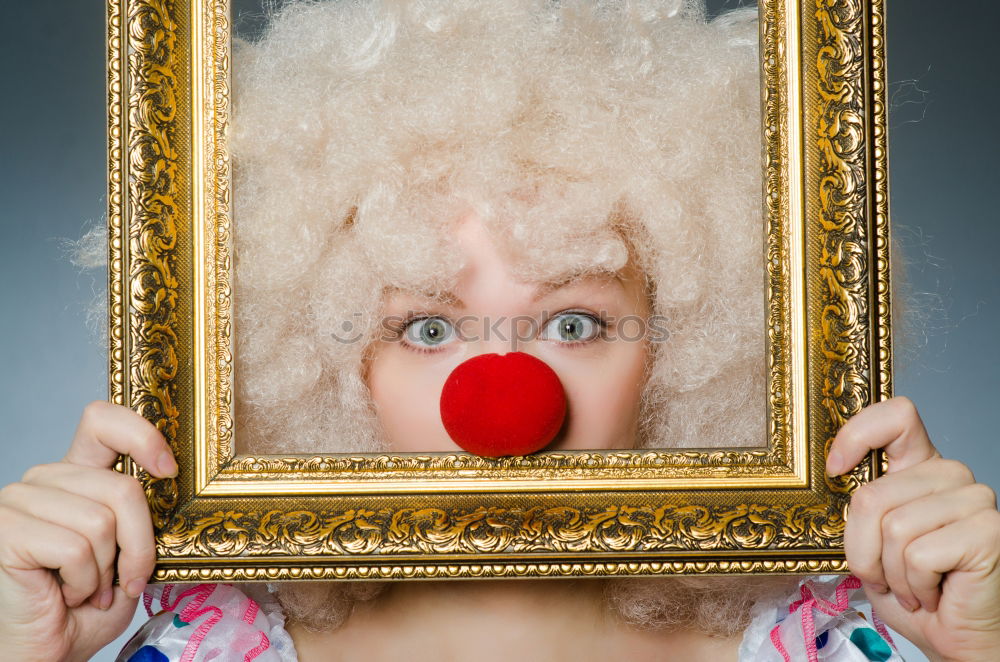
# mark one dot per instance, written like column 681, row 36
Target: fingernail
column 907, row 605
column 834, row 463
column 105, row 600
column 67, row 597
column 880, row 588
column 166, row 464
column 135, row 587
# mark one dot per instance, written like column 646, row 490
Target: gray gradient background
column 944, row 179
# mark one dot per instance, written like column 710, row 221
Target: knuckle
column 955, row 471
column 101, row 523
column 895, row 526
column 865, row 499
column 138, row 560
column 990, row 521
column 918, row 558
column 862, row 564
column 905, row 407
column 30, row 474
column 93, row 412
column 10, row 493
column 850, row 436
column 34, row 473
column 867, row 570
column 127, row 488
column 77, row 551
column 983, row 493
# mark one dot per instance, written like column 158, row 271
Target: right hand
column 61, row 528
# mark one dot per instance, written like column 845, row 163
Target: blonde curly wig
column 579, row 130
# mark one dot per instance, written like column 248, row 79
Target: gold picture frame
column 228, row 517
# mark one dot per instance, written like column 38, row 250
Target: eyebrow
column 449, row 298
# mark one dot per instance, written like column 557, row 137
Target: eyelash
column 408, row 322
column 404, row 326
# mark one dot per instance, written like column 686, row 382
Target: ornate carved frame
column 229, row 517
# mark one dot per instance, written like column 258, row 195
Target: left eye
column 571, row 328
column 429, row 332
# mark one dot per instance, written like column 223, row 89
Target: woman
column 416, row 201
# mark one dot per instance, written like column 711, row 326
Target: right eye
column 428, row 333
column 572, row 328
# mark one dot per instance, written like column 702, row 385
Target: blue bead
column 148, row 654
column 822, row 639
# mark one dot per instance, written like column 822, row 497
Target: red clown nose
column 509, row 404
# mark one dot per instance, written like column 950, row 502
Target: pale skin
column 924, row 539
column 490, row 311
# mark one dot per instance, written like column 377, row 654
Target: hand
column 61, row 528
column 924, row 539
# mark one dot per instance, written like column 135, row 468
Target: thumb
column 893, row 425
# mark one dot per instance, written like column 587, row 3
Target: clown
column 484, row 218
column 433, row 198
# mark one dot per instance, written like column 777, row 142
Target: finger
column 125, row 497
column 893, row 425
column 92, row 520
column 97, row 627
column 32, row 545
column 963, row 550
column 863, row 539
column 108, row 430
column 919, row 517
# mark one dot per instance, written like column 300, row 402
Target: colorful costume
column 821, row 622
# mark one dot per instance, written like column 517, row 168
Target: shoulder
column 824, row 619
column 196, row 622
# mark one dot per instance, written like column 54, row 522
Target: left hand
column 924, row 539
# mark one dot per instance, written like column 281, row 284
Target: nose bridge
column 500, row 334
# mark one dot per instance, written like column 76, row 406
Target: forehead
column 580, row 284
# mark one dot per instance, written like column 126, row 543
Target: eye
column 572, row 328
column 429, row 332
